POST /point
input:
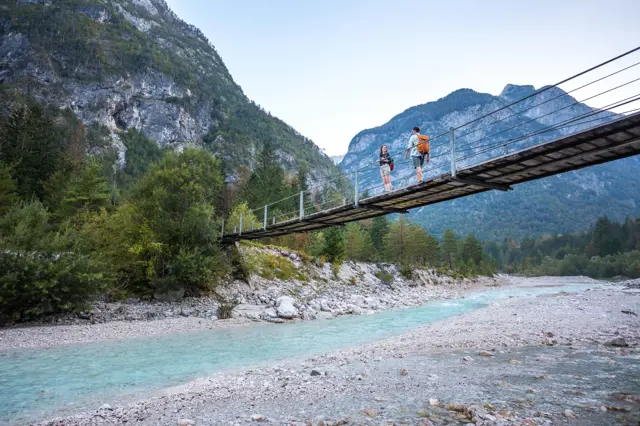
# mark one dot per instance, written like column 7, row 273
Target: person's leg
column 387, row 183
column 419, row 174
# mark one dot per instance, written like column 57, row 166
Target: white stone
column 285, row 307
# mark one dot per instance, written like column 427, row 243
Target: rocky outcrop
column 134, row 64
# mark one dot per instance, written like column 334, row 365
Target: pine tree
column 431, row 251
column 358, row 243
column 449, row 248
column 140, row 154
column 471, row 251
column 33, row 147
column 87, row 189
column 7, row 189
column 379, row 230
column 397, row 242
column 334, row 245
column 302, row 179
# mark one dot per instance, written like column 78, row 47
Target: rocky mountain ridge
column 134, row 64
column 534, row 208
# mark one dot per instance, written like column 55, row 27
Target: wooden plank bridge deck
column 608, row 142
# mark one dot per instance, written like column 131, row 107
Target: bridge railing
column 545, row 114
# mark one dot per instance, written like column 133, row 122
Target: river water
column 37, row 384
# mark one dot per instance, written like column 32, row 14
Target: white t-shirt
column 413, row 146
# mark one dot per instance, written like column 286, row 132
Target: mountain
column 133, row 64
column 337, row 158
column 558, row 204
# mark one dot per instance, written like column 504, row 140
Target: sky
column 331, row 68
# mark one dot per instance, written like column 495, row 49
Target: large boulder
column 285, row 307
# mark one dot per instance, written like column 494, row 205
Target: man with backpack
column 419, row 148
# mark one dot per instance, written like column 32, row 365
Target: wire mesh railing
column 548, row 113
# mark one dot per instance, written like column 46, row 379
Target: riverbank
column 566, row 358
column 357, row 289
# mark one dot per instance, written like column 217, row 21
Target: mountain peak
column 514, row 92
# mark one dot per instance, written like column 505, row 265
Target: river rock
column 358, row 300
column 618, row 342
column 187, row 312
column 285, row 307
column 324, row 306
column 269, row 313
column 258, row 418
column 353, row 309
column 186, row 422
column 372, row 303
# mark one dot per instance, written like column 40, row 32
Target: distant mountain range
column 559, row 204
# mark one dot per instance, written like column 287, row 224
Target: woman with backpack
column 386, row 165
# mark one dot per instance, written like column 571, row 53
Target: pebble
column 404, row 372
column 185, row 422
column 569, row 413
column 467, row 359
column 434, row 402
column 618, row 342
column 258, row 418
column 486, row 354
column 371, row 412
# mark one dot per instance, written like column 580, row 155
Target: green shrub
column 42, row 273
column 225, row 310
column 406, row 271
column 270, row 266
column 385, row 277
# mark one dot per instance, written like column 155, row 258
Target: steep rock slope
column 122, row 64
column 561, row 203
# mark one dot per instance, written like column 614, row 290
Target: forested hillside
column 606, row 250
column 134, row 65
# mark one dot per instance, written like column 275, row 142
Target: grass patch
column 270, row 266
column 385, row 277
column 225, row 310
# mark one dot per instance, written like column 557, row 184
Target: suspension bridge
column 495, row 160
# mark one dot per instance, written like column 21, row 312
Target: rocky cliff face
column 561, row 203
column 133, row 64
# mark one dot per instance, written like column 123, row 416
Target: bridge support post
column 506, row 149
column 222, row 228
column 452, row 151
column 265, row 217
column 240, row 233
column 355, row 191
column 301, row 204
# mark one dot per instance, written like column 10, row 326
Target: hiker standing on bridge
column 386, row 165
column 417, row 156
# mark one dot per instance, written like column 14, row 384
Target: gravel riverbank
column 359, row 289
column 567, row 358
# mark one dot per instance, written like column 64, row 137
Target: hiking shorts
column 418, row 161
column 385, row 170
